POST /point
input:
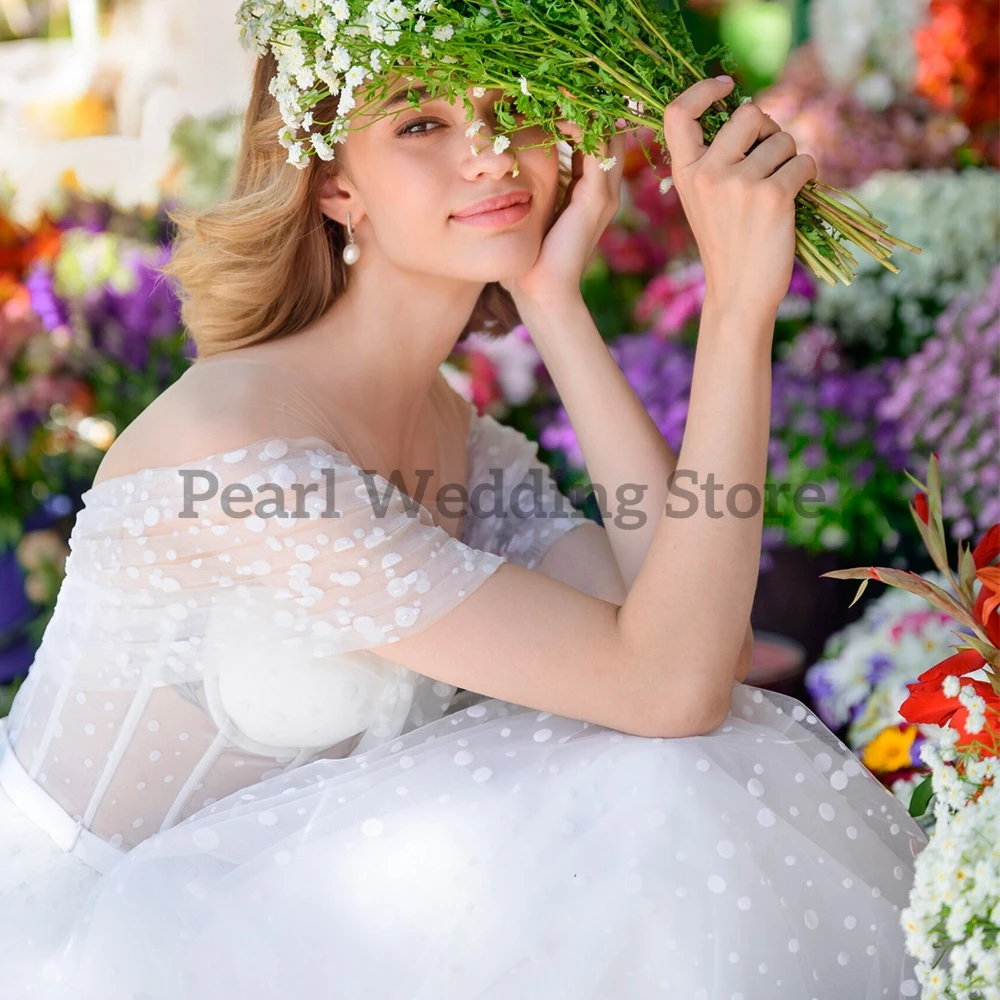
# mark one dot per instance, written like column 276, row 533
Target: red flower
column 988, row 548
column 928, row 703
column 920, row 505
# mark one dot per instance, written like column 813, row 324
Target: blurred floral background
column 111, row 112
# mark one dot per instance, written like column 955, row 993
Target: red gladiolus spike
column 963, row 662
column 988, row 548
column 920, row 505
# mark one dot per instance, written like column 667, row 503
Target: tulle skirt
column 503, row 853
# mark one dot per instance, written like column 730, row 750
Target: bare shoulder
column 210, row 409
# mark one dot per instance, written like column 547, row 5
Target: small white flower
column 346, row 104
column 951, row 687
column 354, row 77
column 301, row 8
column 420, row 24
column 375, row 59
column 608, row 162
column 500, row 143
column 338, row 130
column 307, row 120
column 474, row 149
column 474, row 128
column 396, row 11
column 340, row 10
column 326, row 73
column 297, row 155
column 425, row 6
column 666, row 184
column 425, row 51
column 328, row 27
column 524, row 85
column 323, row 151
column 443, row 32
column 340, row 59
column 478, row 91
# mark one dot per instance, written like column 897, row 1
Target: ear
column 336, row 197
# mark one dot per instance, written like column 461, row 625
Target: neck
column 383, row 342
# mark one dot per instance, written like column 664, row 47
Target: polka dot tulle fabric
column 285, row 813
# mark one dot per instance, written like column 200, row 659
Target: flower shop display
column 591, row 64
column 825, row 430
column 849, row 140
column 868, row 45
column 861, row 680
column 955, row 217
column 958, row 51
column 946, row 399
column 954, row 911
column 89, row 336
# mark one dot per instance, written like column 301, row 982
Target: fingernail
column 725, row 78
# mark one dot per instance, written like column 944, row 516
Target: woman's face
column 407, row 173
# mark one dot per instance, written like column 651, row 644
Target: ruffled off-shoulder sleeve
column 283, row 536
column 532, row 513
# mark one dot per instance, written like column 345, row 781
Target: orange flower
column 990, row 580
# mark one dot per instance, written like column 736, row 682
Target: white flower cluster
column 954, row 217
column 324, row 48
column 868, row 45
column 954, row 908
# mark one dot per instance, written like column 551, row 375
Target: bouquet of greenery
column 589, row 62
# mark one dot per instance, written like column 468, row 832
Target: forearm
column 693, row 594
column 628, row 461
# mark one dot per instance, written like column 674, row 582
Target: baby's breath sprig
column 591, row 62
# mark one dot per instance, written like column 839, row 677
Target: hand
column 740, row 205
column 591, row 201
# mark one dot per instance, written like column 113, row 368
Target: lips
column 494, row 204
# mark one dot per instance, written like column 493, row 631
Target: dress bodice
column 217, row 622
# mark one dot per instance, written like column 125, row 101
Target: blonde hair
column 266, row 262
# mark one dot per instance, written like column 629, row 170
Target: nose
column 480, row 158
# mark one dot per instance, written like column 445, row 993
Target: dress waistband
column 38, row 805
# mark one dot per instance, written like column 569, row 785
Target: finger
column 776, row 150
column 795, row 174
column 747, row 125
column 681, row 128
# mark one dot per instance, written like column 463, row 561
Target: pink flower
column 671, row 299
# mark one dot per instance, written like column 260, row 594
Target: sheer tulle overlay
column 212, row 788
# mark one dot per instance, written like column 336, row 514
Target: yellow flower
column 890, row 750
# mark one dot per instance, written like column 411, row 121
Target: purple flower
column 124, row 323
column 45, row 303
column 946, row 399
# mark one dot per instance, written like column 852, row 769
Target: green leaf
column 921, row 797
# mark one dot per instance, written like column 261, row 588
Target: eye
column 405, row 130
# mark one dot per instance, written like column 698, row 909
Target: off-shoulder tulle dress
column 211, row 788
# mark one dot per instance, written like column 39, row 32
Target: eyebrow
column 400, row 96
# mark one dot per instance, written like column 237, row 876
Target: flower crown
column 324, row 48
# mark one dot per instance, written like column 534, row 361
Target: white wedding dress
column 211, row 788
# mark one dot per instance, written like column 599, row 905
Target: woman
column 236, row 769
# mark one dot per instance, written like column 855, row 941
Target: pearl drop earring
column 352, row 251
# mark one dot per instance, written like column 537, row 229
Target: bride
column 237, row 768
